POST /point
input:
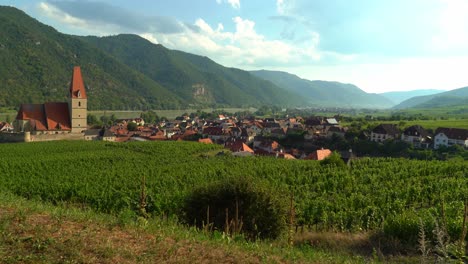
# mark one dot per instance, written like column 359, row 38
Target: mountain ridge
column 400, row 96
column 456, row 97
column 325, row 93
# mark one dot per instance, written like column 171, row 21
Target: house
column 279, row 132
column 92, row 134
column 450, row 136
column 214, row 133
column 5, row 127
column 99, row 134
column 319, row 154
column 56, row 117
column 268, row 127
column 336, row 130
column 237, row 146
column 107, row 135
column 267, row 145
column 385, row 132
column 417, row 136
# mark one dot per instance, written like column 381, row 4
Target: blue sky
column 379, row 45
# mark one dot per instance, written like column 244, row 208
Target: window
column 79, row 103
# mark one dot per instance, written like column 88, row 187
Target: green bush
column 259, row 213
column 334, row 159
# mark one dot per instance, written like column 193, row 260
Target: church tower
column 78, row 102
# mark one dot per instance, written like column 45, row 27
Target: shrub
column 259, row 213
column 333, row 159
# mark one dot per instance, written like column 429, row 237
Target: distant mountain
column 123, row 72
column 398, row 97
column 457, row 97
column 324, row 93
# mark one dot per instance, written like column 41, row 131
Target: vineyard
column 370, row 194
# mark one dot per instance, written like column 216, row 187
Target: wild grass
column 37, row 232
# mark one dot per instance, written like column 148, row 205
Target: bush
column 259, row 213
column 333, row 159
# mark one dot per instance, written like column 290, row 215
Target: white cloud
column 80, row 26
column 234, row 3
column 453, row 29
column 280, row 7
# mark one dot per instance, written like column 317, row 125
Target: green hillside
column 194, row 78
column 453, row 98
column 324, row 93
column 121, row 73
column 36, row 63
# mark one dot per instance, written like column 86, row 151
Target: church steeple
column 78, row 102
column 77, row 88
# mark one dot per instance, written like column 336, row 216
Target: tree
column 150, row 117
column 92, row 120
column 132, row 126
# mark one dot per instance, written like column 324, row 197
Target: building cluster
column 420, row 138
column 244, row 137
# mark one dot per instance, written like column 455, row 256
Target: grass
column 36, row 232
column 427, row 124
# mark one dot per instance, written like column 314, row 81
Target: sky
column 378, row 45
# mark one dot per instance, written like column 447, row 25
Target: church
column 56, row 120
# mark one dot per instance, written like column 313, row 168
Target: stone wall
column 20, row 137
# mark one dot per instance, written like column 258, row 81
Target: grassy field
column 37, row 232
column 427, row 124
column 170, row 114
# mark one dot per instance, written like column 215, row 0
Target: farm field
column 386, row 196
column 427, row 124
column 170, row 114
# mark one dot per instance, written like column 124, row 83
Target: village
column 252, row 136
column 312, row 137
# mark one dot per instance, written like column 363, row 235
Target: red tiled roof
column 319, row 154
column 77, row 84
column 34, row 113
column 57, row 115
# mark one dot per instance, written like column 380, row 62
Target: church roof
column 77, row 88
column 57, row 115
column 34, row 113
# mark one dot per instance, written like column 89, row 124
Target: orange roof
column 237, row 146
column 205, row 140
column 58, row 117
column 34, row 113
column 77, row 88
column 319, row 154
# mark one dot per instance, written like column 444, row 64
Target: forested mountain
column 457, row 97
column 122, row 72
column 36, row 63
column 400, row 96
column 325, row 93
column 194, row 78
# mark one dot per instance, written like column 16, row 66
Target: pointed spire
column 77, row 88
